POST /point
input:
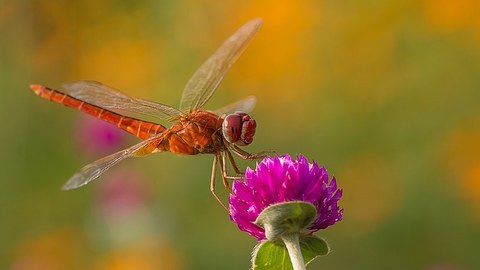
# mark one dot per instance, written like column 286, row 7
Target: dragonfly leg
column 223, row 162
column 234, row 164
column 245, row 155
column 212, row 181
column 223, row 169
column 240, row 174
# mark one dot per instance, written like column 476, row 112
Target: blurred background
column 385, row 94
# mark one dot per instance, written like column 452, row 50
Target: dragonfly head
column 239, row 128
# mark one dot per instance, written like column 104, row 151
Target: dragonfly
column 193, row 131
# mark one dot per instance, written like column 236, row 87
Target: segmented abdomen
column 139, row 128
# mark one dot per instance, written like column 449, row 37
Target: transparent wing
column 108, row 98
column 93, row 170
column 245, row 105
column 206, row 79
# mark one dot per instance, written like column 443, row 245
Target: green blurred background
column 385, row 94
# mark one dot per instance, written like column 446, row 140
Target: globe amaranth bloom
column 281, row 179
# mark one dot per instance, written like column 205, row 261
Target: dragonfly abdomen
column 139, row 128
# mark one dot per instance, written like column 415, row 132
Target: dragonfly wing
column 244, row 105
column 93, row 170
column 206, row 79
column 108, row 98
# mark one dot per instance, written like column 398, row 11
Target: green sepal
column 286, row 217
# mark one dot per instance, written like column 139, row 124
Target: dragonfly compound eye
column 239, row 128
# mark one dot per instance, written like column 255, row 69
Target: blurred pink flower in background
column 126, row 225
column 95, row 137
column 122, row 192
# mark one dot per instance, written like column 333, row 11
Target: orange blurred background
column 384, row 94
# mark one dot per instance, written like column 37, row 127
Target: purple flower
column 281, row 179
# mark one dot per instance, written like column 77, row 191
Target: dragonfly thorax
column 239, row 128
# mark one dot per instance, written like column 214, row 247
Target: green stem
column 293, row 246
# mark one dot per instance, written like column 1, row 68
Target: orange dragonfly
column 194, row 131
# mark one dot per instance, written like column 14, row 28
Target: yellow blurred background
column 385, row 94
